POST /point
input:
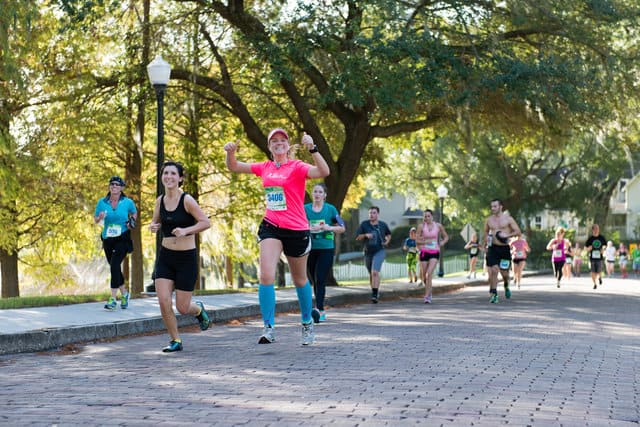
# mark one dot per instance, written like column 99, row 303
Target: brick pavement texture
column 547, row 357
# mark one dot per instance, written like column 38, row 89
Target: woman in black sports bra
column 178, row 217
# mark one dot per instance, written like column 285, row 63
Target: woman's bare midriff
column 183, row 243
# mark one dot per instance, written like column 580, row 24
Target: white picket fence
column 355, row 270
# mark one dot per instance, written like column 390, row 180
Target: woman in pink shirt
column 285, row 227
column 558, row 247
column 519, row 251
column 431, row 237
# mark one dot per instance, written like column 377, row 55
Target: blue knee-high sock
column 267, row 299
column 305, row 299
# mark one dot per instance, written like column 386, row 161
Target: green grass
column 50, row 300
column 57, row 300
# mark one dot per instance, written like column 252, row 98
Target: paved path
column 547, row 357
column 45, row 328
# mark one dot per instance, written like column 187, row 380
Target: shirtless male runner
column 498, row 228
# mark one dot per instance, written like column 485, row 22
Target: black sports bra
column 177, row 218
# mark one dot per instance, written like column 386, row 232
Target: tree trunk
column 9, row 267
column 134, row 182
column 228, row 263
column 331, row 280
column 126, row 270
column 135, row 161
column 192, row 110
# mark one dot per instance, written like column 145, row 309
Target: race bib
column 432, row 245
column 316, row 223
column 276, row 201
column 504, row 264
column 473, row 251
column 519, row 254
column 113, row 230
column 413, row 250
column 557, row 253
column 595, row 254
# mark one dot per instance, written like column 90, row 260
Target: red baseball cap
column 276, row 131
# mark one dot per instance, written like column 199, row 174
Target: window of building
column 537, row 222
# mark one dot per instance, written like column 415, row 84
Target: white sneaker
column 427, row 298
column 308, row 336
column 267, row 336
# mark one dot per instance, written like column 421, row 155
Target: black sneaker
column 600, row 280
column 374, row 299
column 315, row 313
column 173, row 346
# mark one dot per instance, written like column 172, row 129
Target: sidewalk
column 45, row 328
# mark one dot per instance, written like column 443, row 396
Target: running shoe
column 124, row 301
column 174, row 345
column 315, row 313
column 308, row 337
column 267, row 336
column 323, row 317
column 494, row 299
column 558, row 284
column 111, row 304
column 374, row 299
column 600, row 280
column 595, row 286
column 427, row 299
column 507, row 292
column 203, row 317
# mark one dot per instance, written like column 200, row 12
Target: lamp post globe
column 159, row 72
column 442, row 192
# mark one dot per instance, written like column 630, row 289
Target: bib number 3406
column 275, row 198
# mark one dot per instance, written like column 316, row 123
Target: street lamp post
column 442, row 194
column 159, row 72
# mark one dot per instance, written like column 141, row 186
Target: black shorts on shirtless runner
column 499, row 255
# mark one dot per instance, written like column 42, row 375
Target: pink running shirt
column 284, row 189
column 518, row 249
column 432, row 247
column 558, row 254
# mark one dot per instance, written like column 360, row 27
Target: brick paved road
column 547, row 357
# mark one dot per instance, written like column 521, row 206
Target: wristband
column 314, row 149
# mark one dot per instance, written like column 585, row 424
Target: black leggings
column 557, row 269
column 116, row 249
column 319, row 263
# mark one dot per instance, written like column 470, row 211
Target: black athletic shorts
column 295, row 243
column 500, row 256
column 179, row 266
column 426, row 256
